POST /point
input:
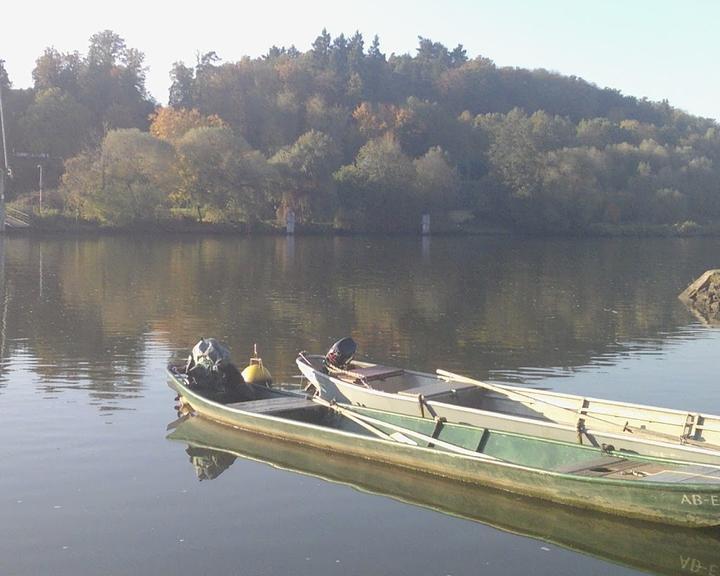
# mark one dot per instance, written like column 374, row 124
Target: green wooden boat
column 646, row 546
column 665, row 491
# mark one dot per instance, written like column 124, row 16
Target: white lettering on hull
column 695, row 566
column 700, row 500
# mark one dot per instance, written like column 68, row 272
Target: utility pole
column 2, row 200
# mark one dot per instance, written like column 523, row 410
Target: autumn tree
column 375, row 120
column 58, row 70
column 82, row 179
column 171, row 124
column 420, row 125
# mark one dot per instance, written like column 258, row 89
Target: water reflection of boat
column 641, row 545
column 209, row 464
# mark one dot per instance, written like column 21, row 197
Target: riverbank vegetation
column 349, row 138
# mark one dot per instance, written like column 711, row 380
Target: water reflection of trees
column 87, row 309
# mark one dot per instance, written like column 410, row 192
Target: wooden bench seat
column 275, row 405
column 435, row 388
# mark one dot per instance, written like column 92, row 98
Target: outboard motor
column 341, row 353
column 209, row 352
column 210, row 368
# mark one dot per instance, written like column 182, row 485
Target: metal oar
column 351, row 416
column 519, row 395
column 365, row 420
column 481, row 384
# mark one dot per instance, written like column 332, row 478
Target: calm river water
column 90, row 482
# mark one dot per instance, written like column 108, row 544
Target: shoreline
column 63, row 226
column 264, row 229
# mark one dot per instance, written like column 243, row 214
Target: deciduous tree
column 171, row 124
column 306, row 170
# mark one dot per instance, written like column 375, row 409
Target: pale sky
column 659, row 49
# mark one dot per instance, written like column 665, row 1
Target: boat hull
column 671, row 503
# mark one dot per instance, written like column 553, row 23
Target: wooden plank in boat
column 435, row 388
column 273, row 405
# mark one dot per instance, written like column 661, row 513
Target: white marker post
column 290, row 223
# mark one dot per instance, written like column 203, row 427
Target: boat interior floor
column 396, row 380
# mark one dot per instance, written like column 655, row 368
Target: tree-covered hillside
column 344, row 133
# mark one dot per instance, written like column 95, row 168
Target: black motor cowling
column 210, row 369
column 341, row 353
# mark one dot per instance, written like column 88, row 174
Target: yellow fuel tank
column 255, row 372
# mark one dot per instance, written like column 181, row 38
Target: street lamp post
column 2, row 200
